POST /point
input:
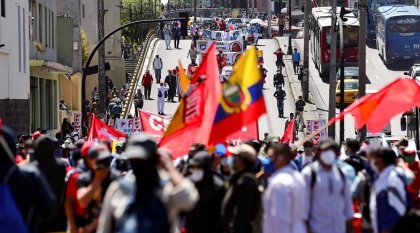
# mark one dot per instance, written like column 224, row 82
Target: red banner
column 153, row 124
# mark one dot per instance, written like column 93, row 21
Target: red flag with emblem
column 153, row 124
column 98, row 130
column 377, row 110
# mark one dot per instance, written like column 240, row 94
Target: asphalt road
column 378, row 76
column 268, row 123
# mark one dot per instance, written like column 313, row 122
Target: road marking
column 377, row 77
column 376, row 65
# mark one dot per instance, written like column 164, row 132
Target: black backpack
column 145, row 214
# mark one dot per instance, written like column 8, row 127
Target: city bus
column 320, row 38
column 373, row 11
column 398, row 33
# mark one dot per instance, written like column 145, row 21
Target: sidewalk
column 310, row 112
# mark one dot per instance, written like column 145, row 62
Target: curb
column 296, row 91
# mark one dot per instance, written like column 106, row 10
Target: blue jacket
column 296, row 56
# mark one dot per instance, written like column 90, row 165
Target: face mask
column 327, row 157
column 224, row 161
column 373, row 166
column 409, row 159
column 197, row 175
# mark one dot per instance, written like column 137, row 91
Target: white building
column 14, row 64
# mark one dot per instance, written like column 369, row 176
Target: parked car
column 414, row 72
column 351, row 90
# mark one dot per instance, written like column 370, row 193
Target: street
column 270, row 123
column 378, row 76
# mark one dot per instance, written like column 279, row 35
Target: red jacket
column 147, row 80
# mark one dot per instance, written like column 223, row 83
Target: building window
column 51, row 31
column 40, row 22
column 3, row 8
column 19, row 41
column 34, row 22
column 83, row 10
column 46, row 27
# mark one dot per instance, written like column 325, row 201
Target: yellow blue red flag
column 242, row 102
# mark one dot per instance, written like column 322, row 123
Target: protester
column 25, row 194
column 284, row 198
column 281, row 25
column 172, row 84
column 280, row 96
column 147, row 81
column 133, row 196
column 176, row 32
column 93, row 184
column 162, row 89
column 295, row 60
column 157, row 66
column 241, row 208
column 278, row 79
column 263, row 73
column 205, row 217
column 138, row 101
column 307, row 157
column 353, row 158
column 326, row 184
column 167, row 35
column 409, row 157
column 299, row 107
column 279, row 59
column 66, row 127
column 192, row 53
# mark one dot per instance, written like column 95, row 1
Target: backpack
column 314, row 177
column 410, row 221
column 145, row 214
column 159, row 94
column 11, row 219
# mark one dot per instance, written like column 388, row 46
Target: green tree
column 85, row 46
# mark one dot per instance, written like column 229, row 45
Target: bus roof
column 392, row 11
column 323, row 14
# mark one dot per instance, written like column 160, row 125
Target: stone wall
column 15, row 114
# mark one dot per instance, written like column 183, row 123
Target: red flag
column 193, row 120
column 246, row 133
column 377, row 110
column 98, row 130
column 288, row 133
column 153, row 124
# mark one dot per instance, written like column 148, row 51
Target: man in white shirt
column 162, row 88
column 157, row 66
column 284, row 198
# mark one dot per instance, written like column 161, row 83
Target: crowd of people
column 256, row 186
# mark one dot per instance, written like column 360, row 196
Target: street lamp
column 289, row 49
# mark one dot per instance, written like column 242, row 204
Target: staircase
column 130, row 67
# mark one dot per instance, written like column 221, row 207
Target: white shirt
column 157, row 63
column 284, row 202
column 328, row 205
column 388, row 178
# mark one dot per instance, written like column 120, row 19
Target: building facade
column 14, row 64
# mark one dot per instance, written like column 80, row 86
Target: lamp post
column 289, row 48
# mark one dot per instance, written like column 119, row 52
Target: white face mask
column 197, row 175
column 327, row 157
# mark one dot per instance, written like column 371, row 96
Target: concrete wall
column 14, row 66
column 72, row 9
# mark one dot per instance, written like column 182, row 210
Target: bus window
column 351, row 37
column 404, row 25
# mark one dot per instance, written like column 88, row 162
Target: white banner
column 77, row 119
column 232, row 57
column 225, row 46
column 313, row 126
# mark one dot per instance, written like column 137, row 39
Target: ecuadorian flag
column 242, row 102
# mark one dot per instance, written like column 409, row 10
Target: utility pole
column 101, row 64
column 307, row 9
column 333, row 61
column 252, row 7
column 289, row 48
column 269, row 18
column 340, row 22
column 362, row 56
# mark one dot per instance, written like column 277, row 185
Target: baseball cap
column 220, row 150
column 86, row 147
column 245, row 151
column 327, row 144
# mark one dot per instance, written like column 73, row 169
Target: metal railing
column 151, row 35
